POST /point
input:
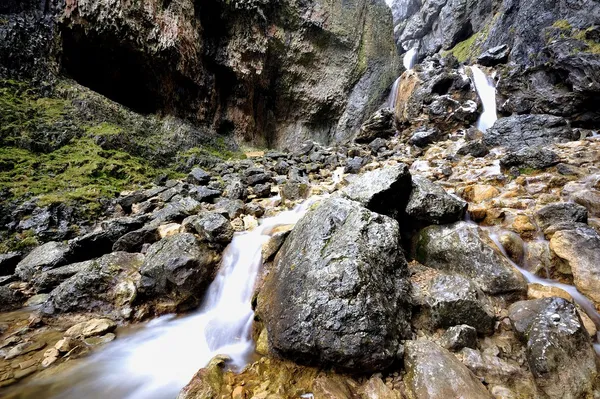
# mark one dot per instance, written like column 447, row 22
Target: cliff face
column 270, row 72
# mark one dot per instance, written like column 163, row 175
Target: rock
column 479, row 193
column 44, row 257
column 494, row 56
column 423, row 362
column 429, row 203
column 590, row 199
column 580, row 250
column 455, row 300
column 380, row 124
column 236, row 190
column 64, row 345
column 353, row 165
column 91, row 328
column 375, row 388
column 8, row 263
column 262, row 190
column 424, row 136
column 254, row 209
column 230, row 208
column 292, row 191
column 176, row 211
column 559, row 213
column 179, row 267
column 250, row 222
column 377, row 145
column 519, row 131
column 458, row 248
column 530, row 157
column 10, row 299
column 105, row 285
column 207, row 382
column 458, row 337
column 474, row 148
column 166, row 230
column 270, row 248
column 338, row 259
column 24, row 348
column 204, row 194
column 198, row 176
column 48, row 280
column 559, row 349
column 134, row 240
column 99, row 340
column 210, row 226
column 513, row 245
column 382, row 191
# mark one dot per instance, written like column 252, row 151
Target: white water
column 391, row 102
column 410, row 58
column 487, row 93
column 160, row 360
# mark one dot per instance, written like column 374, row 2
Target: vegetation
column 471, row 47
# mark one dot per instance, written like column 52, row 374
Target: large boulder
column 458, row 248
column 530, row 157
column 434, row 373
column 338, row 291
column 580, row 250
column 559, row 349
column 560, row 212
column 430, row 203
column 519, row 131
column 380, row 124
column 178, row 267
column 383, row 191
column 44, row 257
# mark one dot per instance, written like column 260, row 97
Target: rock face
column 380, row 124
column 340, row 260
column 458, row 248
column 383, row 191
column 269, row 72
column 431, row 204
column 435, row 373
column 559, row 349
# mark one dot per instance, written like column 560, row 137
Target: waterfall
column 393, row 94
column 409, row 58
column 487, row 94
column 158, row 361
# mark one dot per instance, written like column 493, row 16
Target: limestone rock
column 429, row 203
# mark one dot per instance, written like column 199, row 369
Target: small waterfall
column 409, row 59
column 393, row 94
column 487, row 93
column 158, row 361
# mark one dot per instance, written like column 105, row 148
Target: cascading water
column 393, row 94
column 408, row 60
column 158, row 361
column 487, row 94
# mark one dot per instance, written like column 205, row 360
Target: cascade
column 408, row 60
column 487, row 94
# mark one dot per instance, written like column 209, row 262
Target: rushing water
column 410, row 58
column 162, row 358
column 487, row 93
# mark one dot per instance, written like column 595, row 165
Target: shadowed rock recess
column 283, row 199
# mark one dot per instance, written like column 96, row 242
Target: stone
column 513, row 245
column 178, row 266
column 339, row 258
column 382, row 191
column 375, row 388
column 429, row 203
column 530, row 157
column 23, row 348
column 354, row 164
column 380, row 124
column 423, row 362
column 458, row 248
column 44, row 257
column 8, row 262
column 559, row 350
column 236, row 190
column 64, row 345
column 48, row 280
column 134, row 240
column 494, row 56
column 454, row 300
column 211, row 227
column 479, row 193
column 198, row 176
column 292, row 191
column 207, row 382
column 168, row 229
column 580, row 250
column 458, row 337
column 99, row 340
column 474, row 148
column 377, row 145
column 91, row 328
column 424, row 136
column 519, row 131
column 589, row 199
column 204, row 194
column 10, row 299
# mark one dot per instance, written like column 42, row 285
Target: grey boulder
column 430, row 203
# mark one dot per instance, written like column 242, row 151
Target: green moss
column 471, row 47
column 527, row 171
column 592, row 46
column 104, row 129
column 562, row 24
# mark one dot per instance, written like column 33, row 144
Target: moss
column 471, row 47
column 562, row 24
column 104, row 129
column 592, row 46
column 527, row 171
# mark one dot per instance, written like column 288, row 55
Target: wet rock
column 458, row 248
column 198, row 176
column 212, row 227
column 91, row 328
column 179, row 267
column 292, row 191
column 338, row 259
column 377, row 145
column 458, row 337
column 353, row 165
column 431, row 204
column 424, row 136
column 590, row 199
column 203, row 194
column 8, row 262
column 375, row 388
column 494, row 56
column 560, row 212
column 207, row 382
column 530, row 157
column 134, row 240
column 559, row 349
column 455, row 300
column 106, row 285
column 513, row 245
column 254, row 209
column 380, row 124
column 24, row 348
column 44, row 257
column 580, row 250
column 48, row 280
column 423, row 362
column 479, row 192
column 236, row 190
column 178, row 210
column 474, row 148
column 516, row 132
column 10, row 299
column 383, row 191
column 262, row 190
